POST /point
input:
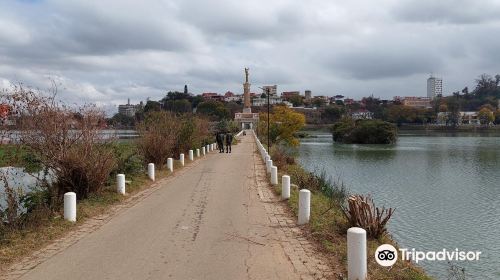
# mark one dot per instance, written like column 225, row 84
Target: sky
column 105, row 52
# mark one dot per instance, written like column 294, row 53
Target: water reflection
column 445, row 189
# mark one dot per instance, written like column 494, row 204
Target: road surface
column 207, row 223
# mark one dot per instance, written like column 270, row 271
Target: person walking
column 220, row 142
column 229, row 141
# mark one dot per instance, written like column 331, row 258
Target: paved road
column 208, row 223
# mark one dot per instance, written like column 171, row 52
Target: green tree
column 178, row 106
column 332, row 113
column 296, row 100
column 284, row 123
column 215, row 110
column 486, row 116
column 152, row 106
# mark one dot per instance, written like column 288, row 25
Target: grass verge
column 46, row 226
column 328, row 228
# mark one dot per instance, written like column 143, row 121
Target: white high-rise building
column 434, row 87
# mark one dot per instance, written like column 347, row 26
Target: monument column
column 247, row 107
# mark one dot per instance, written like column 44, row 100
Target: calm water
column 446, row 191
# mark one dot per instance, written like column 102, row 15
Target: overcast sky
column 108, row 51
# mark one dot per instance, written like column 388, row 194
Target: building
column 286, row 95
column 362, row 114
column 127, row 109
column 308, row 95
column 463, row 118
column 273, row 90
column 434, row 87
column 231, row 97
column 247, row 119
column 259, row 101
column 413, row 101
column 212, row 96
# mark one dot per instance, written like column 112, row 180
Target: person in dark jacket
column 220, row 142
column 229, row 140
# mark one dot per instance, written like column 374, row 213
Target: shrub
column 364, row 132
column 65, row 140
column 282, row 157
column 362, row 212
column 159, row 133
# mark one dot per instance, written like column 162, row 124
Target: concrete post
column 203, row 150
column 274, row 175
column 208, row 148
column 304, row 206
column 70, row 206
column 170, row 164
column 191, row 156
column 269, row 165
column 266, row 158
column 120, row 183
column 181, row 159
column 285, row 187
column 356, row 254
column 197, row 152
column 151, row 171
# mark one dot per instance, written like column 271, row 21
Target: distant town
column 478, row 107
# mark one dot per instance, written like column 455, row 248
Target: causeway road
column 209, row 222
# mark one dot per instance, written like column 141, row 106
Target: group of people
column 224, row 138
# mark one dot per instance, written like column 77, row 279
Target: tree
column 332, row 114
column 364, row 132
column 485, row 116
column 284, row 123
column 454, row 111
column 213, row 109
column 152, row 106
column 296, row 100
column 178, row 106
column 318, row 102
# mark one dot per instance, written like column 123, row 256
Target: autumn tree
column 284, row 123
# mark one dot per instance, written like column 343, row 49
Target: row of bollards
column 304, row 195
column 356, row 237
column 70, row 197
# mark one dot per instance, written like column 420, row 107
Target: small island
column 364, row 131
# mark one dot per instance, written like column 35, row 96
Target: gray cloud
column 108, row 51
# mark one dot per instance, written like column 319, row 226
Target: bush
column 165, row 135
column 362, row 212
column 282, row 157
column 65, row 140
column 364, row 132
column 159, row 134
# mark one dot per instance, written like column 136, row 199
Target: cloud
column 448, row 11
column 109, row 51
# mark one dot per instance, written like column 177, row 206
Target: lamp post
column 268, row 126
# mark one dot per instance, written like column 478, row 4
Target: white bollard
column 181, row 159
column 269, row 165
column 274, row 175
column 304, row 206
column 203, row 150
column 356, row 254
column 170, row 164
column 70, row 206
column 120, row 183
column 285, row 187
column 197, row 152
column 151, row 171
column 266, row 158
column 208, row 149
column 191, row 156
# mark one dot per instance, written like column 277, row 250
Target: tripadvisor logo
column 387, row 255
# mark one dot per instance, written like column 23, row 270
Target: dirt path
column 216, row 220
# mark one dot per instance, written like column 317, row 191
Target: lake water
column 445, row 188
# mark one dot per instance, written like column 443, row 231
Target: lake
column 445, row 188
